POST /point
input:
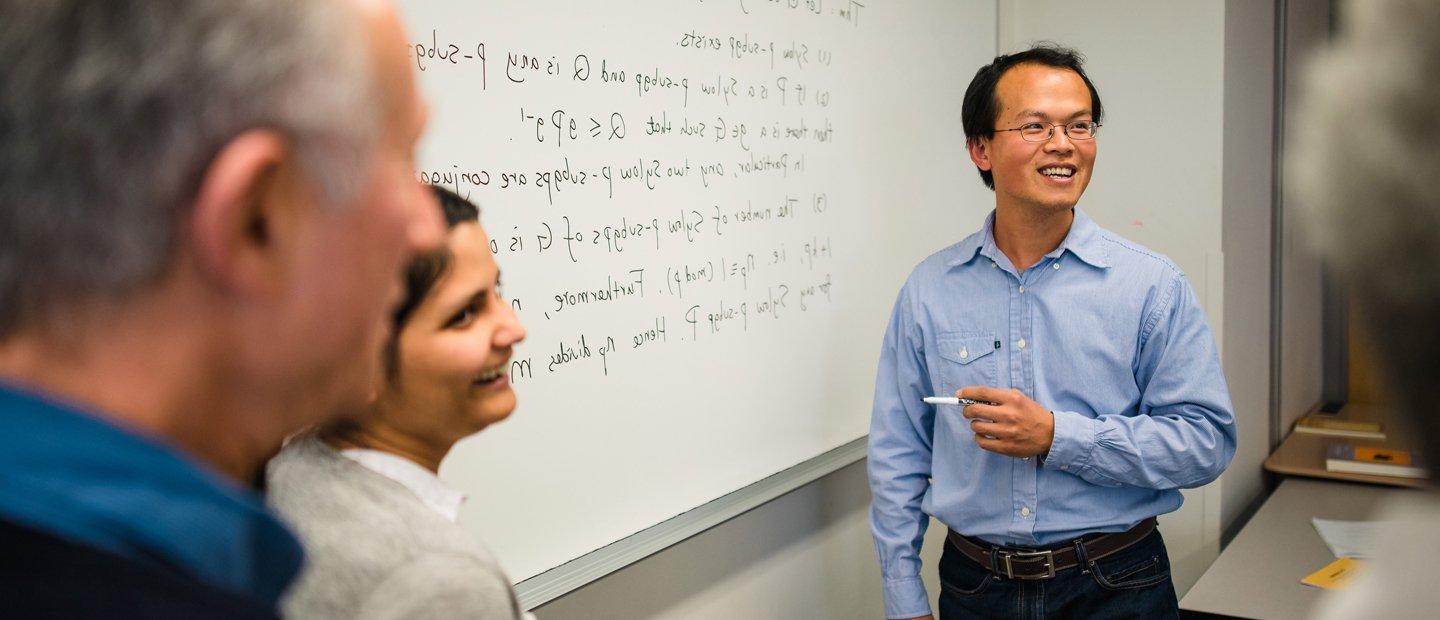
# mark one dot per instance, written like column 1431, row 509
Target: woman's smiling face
column 452, row 360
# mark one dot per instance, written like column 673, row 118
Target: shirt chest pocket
column 966, row 358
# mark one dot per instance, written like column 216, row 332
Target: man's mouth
column 1062, row 171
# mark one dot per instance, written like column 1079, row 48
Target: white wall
column 1247, row 176
column 1301, row 354
column 805, row 555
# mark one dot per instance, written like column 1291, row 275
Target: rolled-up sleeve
column 899, row 462
column 1184, row 435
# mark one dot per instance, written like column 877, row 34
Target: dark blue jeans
column 1133, row 583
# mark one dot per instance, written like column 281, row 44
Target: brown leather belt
column 1043, row 564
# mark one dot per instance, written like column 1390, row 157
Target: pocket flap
column 966, row 347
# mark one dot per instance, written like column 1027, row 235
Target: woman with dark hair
column 377, row 523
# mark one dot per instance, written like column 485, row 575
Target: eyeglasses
column 1041, row 132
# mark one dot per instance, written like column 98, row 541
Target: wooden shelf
column 1303, row 454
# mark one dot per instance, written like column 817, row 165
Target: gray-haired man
column 203, row 208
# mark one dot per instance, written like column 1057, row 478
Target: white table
column 1258, row 574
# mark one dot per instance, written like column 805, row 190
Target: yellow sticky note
column 1336, row 575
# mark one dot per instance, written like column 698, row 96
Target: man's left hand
column 1013, row 426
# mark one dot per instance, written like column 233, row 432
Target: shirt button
column 1025, row 511
column 964, row 353
column 1054, row 265
column 1022, row 289
column 1021, row 344
column 1064, row 468
column 994, row 265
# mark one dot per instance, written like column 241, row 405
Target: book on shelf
column 1348, row 458
column 1336, row 427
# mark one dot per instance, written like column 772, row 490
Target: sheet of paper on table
column 1348, row 539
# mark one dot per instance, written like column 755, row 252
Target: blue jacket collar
column 75, row 476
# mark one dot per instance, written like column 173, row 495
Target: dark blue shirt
column 72, row 475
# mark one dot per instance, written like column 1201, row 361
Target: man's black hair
column 980, row 107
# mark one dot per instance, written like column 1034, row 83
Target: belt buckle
column 1048, row 554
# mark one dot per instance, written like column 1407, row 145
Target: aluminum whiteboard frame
column 592, row 566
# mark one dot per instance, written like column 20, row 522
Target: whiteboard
column 703, row 211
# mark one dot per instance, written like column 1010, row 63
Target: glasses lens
column 1082, row 130
column 1035, row 132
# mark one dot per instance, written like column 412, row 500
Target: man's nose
column 1059, row 141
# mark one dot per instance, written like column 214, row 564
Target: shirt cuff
column 1074, row 440
column 906, row 598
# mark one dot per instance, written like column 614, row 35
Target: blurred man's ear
column 243, row 202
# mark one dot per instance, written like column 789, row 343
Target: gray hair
column 111, row 111
column 1368, row 165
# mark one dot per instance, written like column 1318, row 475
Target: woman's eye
column 464, row 317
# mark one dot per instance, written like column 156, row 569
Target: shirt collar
column 432, row 492
column 968, row 247
column 78, row 477
column 1083, row 240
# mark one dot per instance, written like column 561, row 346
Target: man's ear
column 979, row 152
column 238, row 210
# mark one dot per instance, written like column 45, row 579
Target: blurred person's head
column 1368, row 165
column 203, row 206
column 447, row 361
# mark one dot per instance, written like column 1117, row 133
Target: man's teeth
column 490, row 375
column 1057, row 172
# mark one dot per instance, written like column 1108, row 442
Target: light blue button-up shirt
column 1103, row 332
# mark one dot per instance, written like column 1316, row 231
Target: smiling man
column 1098, row 389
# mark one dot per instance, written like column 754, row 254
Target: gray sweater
column 373, row 550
